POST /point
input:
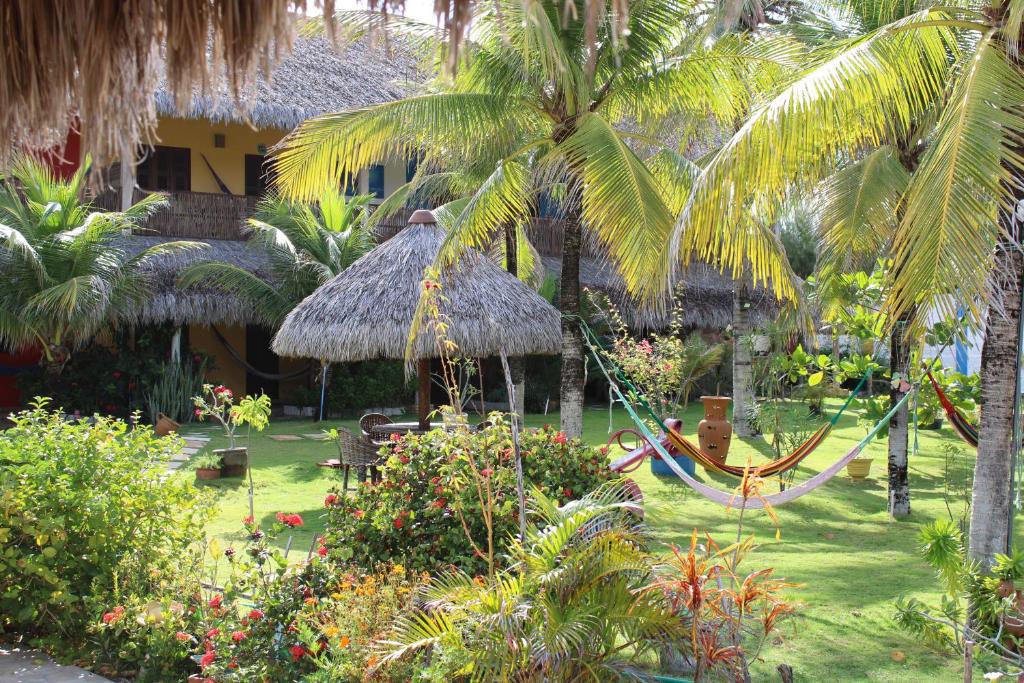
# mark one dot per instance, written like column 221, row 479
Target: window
column 351, row 186
column 410, row 168
column 166, row 169
column 375, row 181
column 258, row 176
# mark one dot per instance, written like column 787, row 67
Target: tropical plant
column 546, row 104
column 207, row 461
column 172, row 391
column 948, row 80
column 218, row 404
column 65, row 275
column 307, row 245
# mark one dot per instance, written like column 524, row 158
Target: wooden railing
column 207, row 215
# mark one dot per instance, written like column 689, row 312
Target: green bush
column 428, row 505
column 354, row 386
column 85, row 513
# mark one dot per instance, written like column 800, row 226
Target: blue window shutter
column 410, row 168
column 375, row 181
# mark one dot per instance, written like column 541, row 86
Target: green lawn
column 851, row 560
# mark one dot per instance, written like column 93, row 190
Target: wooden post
column 968, row 660
column 423, row 396
column 127, row 177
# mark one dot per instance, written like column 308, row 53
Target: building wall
column 229, row 161
column 226, row 371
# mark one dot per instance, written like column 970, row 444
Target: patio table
column 384, row 431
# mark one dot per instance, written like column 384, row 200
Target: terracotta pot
column 207, row 474
column 715, row 432
column 859, row 468
column 235, row 461
column 1006, row 588
column 164, row 425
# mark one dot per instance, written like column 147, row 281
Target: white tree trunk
column 899, row 472
column 742, row 376
column 990, row 506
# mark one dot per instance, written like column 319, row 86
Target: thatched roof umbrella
column 367, row 311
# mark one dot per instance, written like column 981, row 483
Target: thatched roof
column 314, row 79
column 194, row 305
column 705, row 293
column 367, row 311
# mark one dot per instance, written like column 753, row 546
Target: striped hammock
column 961, row 425
column 768, row 469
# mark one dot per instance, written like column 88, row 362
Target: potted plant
column 207, row 466
column 218, row 403
column 873, row 409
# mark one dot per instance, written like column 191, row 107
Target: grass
column 838, row 543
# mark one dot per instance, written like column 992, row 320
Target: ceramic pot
column 206, row 474
column 859, row 468
column 235, row 461
column 715, row 432
column 164, row 425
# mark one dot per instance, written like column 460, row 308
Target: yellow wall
column 229, row 161
column 226, row 370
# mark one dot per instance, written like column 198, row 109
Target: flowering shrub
column 85, row 513
column 218, row 403
column 268, row 621
column 428, row 509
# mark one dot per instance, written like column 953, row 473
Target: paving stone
column 320, row 436
column 181, row 457
column 175, row 464
column 29, row 666
column 189, row 451
column 285, row 437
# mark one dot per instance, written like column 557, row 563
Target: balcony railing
column 206, row 215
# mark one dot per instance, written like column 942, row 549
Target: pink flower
column 213, row 633
column 215, row 601
column 108, row 617
column 561, row 438
column 182, row 636
column 359, row 514
column 198, row 412
column 486, row 472
column 248, row 520
column 404, row 459
column 395, row 437
column 207, row 659
column 238, row 636
column 116, row 374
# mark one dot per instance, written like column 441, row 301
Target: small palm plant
column 307, row 244
column 65, row 275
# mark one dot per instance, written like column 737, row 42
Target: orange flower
column 344, row 641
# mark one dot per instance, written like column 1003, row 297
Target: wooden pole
column 423, row 396
column 968, row 660
column 514, row 419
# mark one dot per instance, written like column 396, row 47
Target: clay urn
column 715, row 431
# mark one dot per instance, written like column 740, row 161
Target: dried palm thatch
column 367, row 311
column 704, row 295
column 99, row 61
column 197, row 305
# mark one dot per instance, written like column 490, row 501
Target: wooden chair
column 369, row 421
column 357, row 451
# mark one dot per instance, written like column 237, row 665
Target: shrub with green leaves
column 428, row 510
column 85, row 511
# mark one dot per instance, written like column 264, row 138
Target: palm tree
column 954, row 244
column 307, row 245
column 65, row 278
column 546, row 102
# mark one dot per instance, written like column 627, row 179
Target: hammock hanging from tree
column 695, row 453
column 727, row 498
column 962, row 426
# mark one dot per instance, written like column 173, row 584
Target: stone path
column 194, row 442
column 30, row 666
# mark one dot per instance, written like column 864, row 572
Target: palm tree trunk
column 516, row 365
column 899, row 472
column 742, row 380
column 990, row 506
column 572, row 379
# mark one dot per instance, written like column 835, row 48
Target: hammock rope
column 961, row 425
column 693, row 451
column 726, row 498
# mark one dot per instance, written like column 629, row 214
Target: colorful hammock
column 962, row 426
column 726, row 498
column 695, row 453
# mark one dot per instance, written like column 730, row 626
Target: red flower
column 434, row 480
column 399, row 522
column 182, row 636
column 248, row 520
column 297, row 652
column 404, row 459
column 256, row 615
column 428, row 284
column 108, row 617
column 116, row 374
column 330, row 500
column 289, row 520
column 198, row 412
column 359, row 514
column 213, row 633
column 215, row 601
column 207, row 659
column 322, row 551
column 238, row 636
column 395, row 437
column 567, row 492
column 487, row 472
column 438, row 490
column 560, row 438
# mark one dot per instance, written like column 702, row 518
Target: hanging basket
column 165, row 425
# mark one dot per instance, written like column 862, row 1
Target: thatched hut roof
column 314, row 79
column 194, row 305
column 367, row 311
column 705, row 295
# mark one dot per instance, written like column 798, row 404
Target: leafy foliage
column 86, row 511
